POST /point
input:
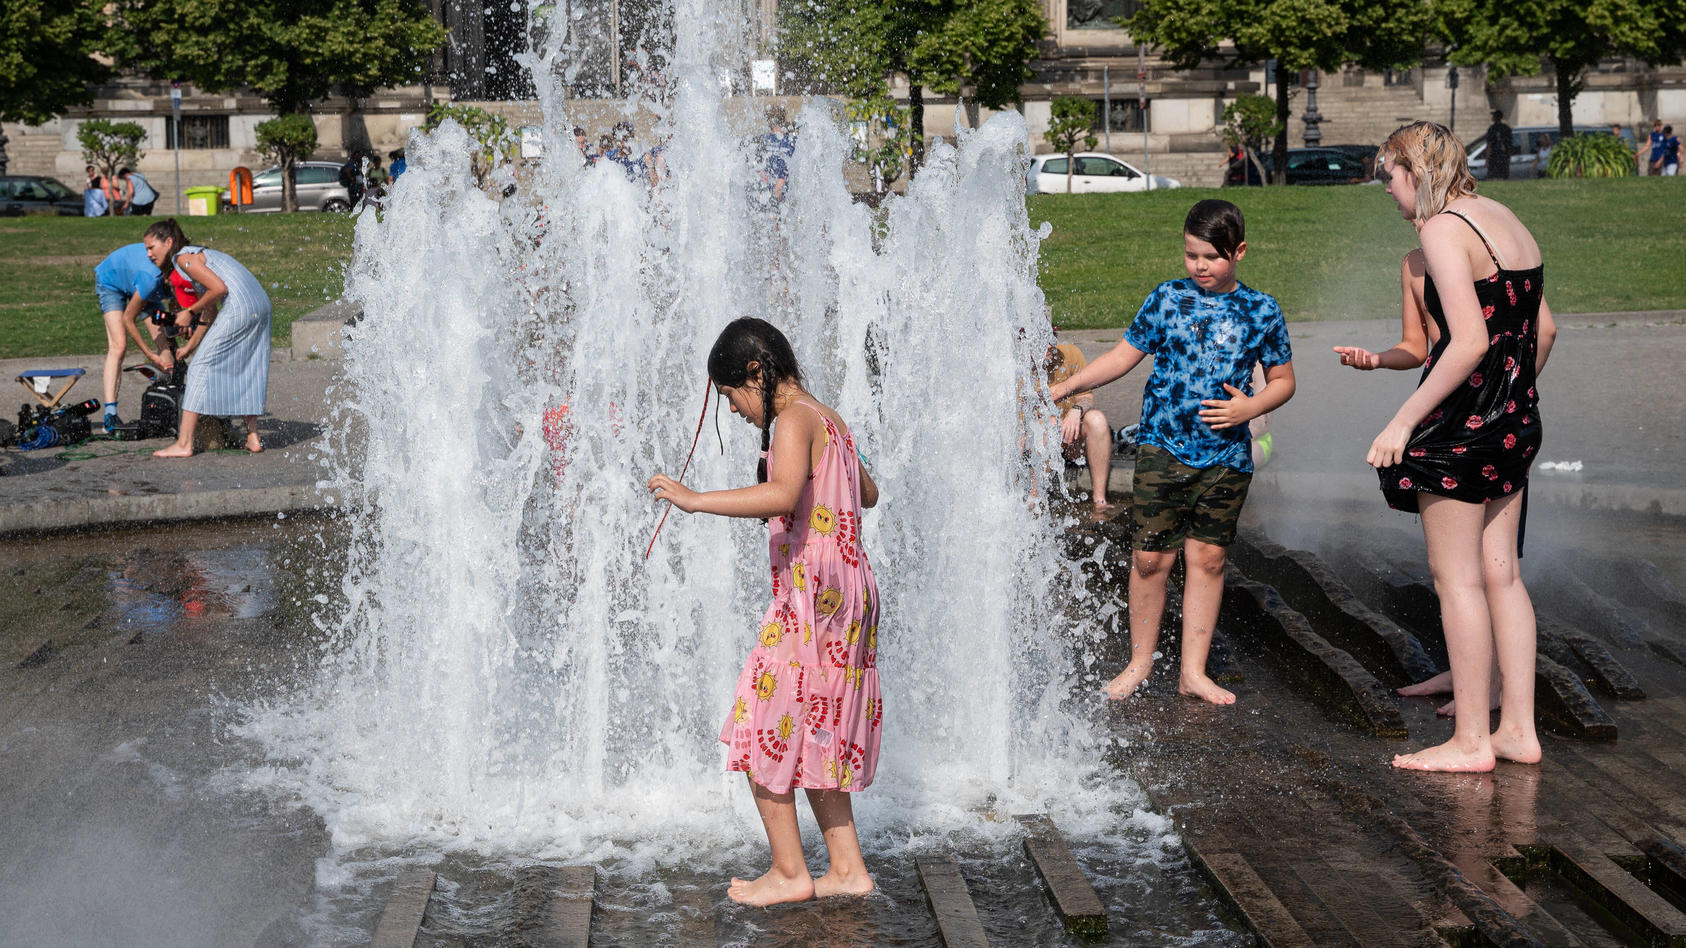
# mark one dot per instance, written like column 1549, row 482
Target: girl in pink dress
column 807, row 712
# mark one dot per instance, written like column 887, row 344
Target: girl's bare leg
column 788, row 879
column 1453, row 530
column 836, row 816
column 1513, row 633
column 1097, row 450
column 1203, row 593
column 116, row 343
column 254, row 443
column 183, row 448
column 1149, row 572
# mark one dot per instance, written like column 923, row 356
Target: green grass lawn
column 1333, row 253
column 47, row 302
column 1324, row 253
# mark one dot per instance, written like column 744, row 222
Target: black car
column 1334, row 164
column 22, row 194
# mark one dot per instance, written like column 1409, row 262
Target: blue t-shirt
column 1671, row 150
column 779, row 149
column 128, row 270
column 1199, row 341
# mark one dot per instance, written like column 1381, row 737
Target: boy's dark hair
column 169, row 231
column 745, row 340
column 1219, row 223
column 1668, row 129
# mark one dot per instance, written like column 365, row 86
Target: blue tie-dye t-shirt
column 1199, row 341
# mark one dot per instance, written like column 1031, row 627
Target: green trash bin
column 203, row 200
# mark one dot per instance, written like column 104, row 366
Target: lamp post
column 1313, row 118
column 1452, row 83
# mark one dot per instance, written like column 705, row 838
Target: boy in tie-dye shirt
column 1194, row 463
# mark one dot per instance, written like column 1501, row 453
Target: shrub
column 1598, row 155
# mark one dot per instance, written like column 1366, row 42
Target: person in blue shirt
column 1670, row 152
column 138, row 195
column 128, row 284
column 1194, row 461
column 398, row 163
column 1653, row 150
column 777, row 148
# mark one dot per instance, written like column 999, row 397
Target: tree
column 291, row 52
column 1072, row 121
column 1572, row 35
column 1298, row 34
column 47, row 62
column 496, row 139
column 108, row 146
column 284, row 141
column 953, row 47
column 882, row 141
column 1249, row 122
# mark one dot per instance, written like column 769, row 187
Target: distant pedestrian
column 137, row 192
column 1498, row 147
column 94, row 200
column 777, row 147
column 398, row 164
column 1670, row 152
column 351, row 178
column 1622, row 133
column 1652, row 153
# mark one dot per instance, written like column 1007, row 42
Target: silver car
column 1530, row 147
column 317, row 184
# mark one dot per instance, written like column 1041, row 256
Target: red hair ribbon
column 708, row 389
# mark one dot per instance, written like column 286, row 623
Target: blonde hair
column 1436, row 158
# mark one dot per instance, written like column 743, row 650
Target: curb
column 66, row 515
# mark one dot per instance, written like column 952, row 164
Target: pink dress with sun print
column 807, row 711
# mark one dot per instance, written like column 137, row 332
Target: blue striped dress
column 229, row 373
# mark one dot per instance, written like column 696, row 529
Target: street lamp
column 1313, row 118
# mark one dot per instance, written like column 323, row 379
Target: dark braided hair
column 746, row 340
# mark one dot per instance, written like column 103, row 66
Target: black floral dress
column 1477, row 444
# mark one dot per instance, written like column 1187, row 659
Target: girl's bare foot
column 772, row 889
column 1450, row 757
column 254, row 444
column 835, row 883
column 1102, row 512
column 1128, row 680
column 1199, row 686
column 1510, row 743
column 1440, row 684
column 174, row 451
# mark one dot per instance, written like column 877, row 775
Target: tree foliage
column 291, row 52
column 46, row 57
column 109, row 146
column 284, row 141
column 980, row 49
column 1513, row 39
column 496, row 139
column 1071, row 120
column 1298, row 34
column 1249, row 122
column 882, row 144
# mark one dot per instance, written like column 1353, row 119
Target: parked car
column 1094, row 172
column 1530, row 146
column 317, row 184
column 22, row 194
column 1332, row 164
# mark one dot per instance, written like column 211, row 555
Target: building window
column 198, row 131
column 1097, row 14
column 1125, row 114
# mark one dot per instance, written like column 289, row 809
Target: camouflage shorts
column 1173, row 501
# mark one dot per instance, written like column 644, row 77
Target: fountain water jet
column 504, row 673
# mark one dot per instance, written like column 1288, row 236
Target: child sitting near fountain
column 1194, row 463
column 807, row 711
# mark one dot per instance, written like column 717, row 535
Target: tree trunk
column 1253, row 160
column 289, row 192
column 1279, row 161
column 1070, row 166
column 1568, row 86
column 916, row 125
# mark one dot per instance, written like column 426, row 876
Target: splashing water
column 504, row 673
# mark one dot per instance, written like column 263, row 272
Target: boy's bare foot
column 1199, row 686
column 1127, row 681
column 1102, row 512
column 254, row 444
column 771, row 889
column 174, row 451
column 1450, row 757
column 1440, row 684
column 835, row 883
column 1509, row 743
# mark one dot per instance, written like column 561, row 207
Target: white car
column 1094, row 172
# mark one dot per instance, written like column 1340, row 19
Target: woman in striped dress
column 229, row 374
